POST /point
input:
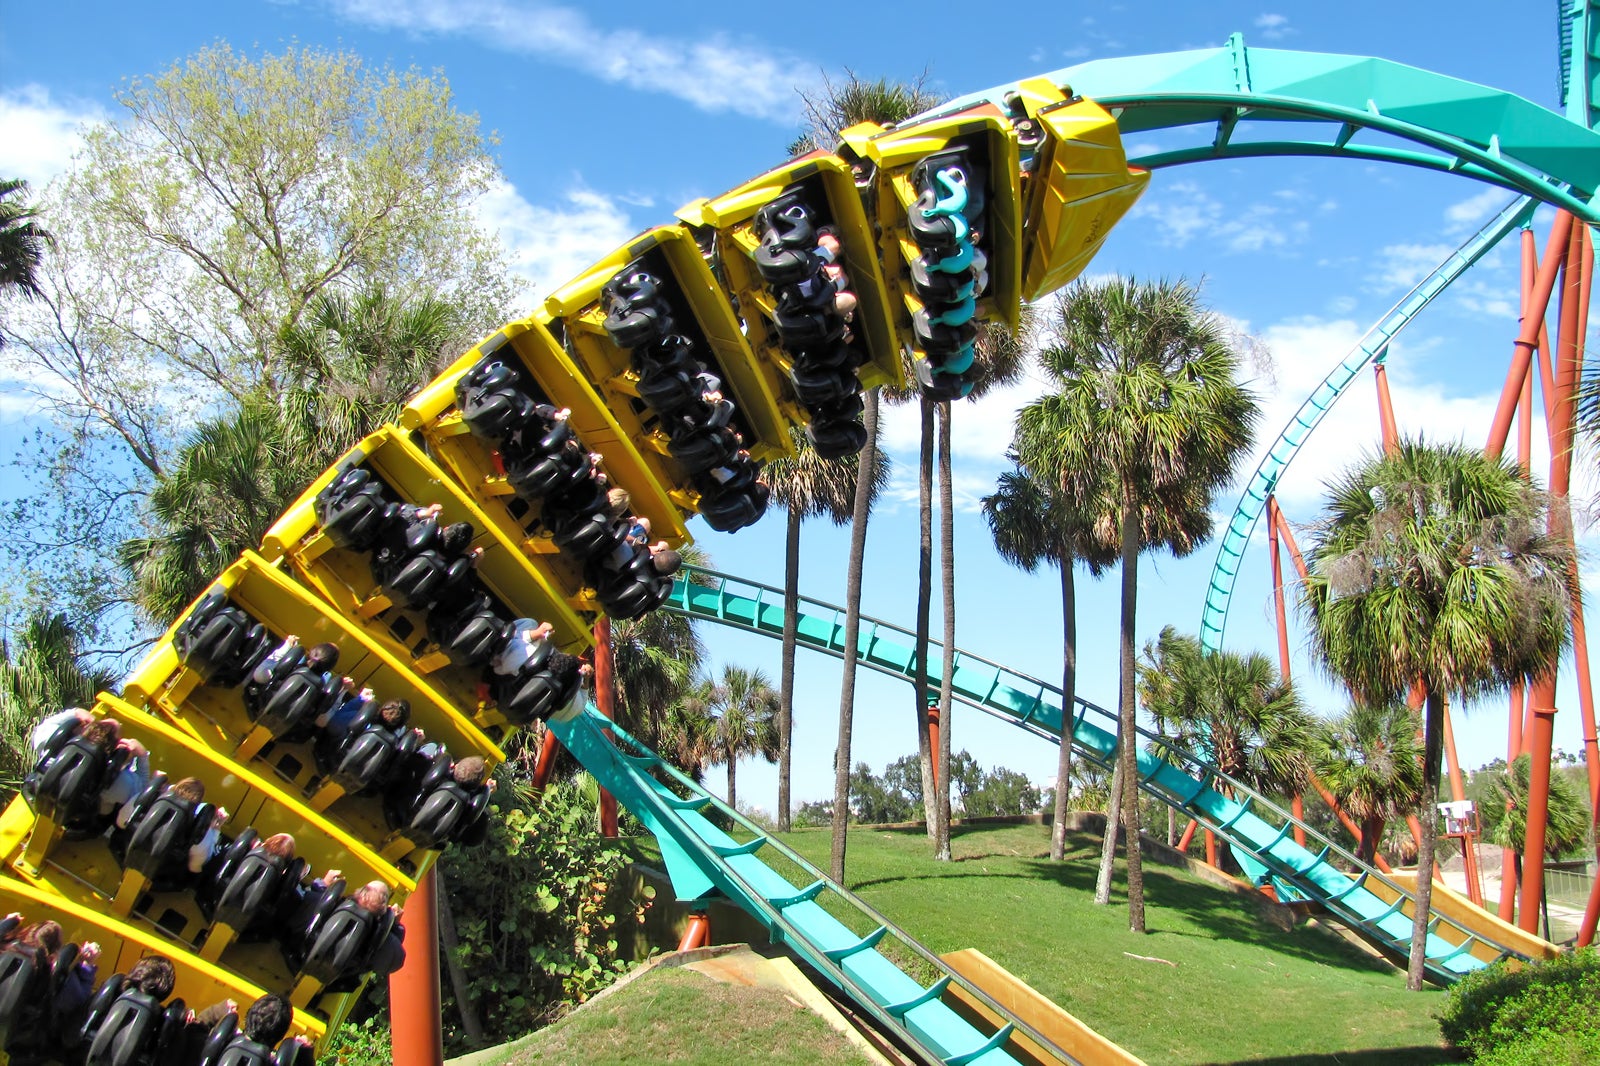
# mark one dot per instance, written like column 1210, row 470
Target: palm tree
column 1435, row 563
column 1000, row 357
column 22, row 242
column 1235, row 707
column 1147, row 399
column 1369, row 760
column 689, row 730
column 827, row 112
column 747, row 713
column 1033, row 524
column 654, row 659
column 806, row 486
column 42, row 670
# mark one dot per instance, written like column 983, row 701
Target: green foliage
column 895, row 797
column 41, row 671
column 1567, row 816
column 22, row 242
column 364, row 1043
column 538, row 910
column 994, row 792
column 1508, row 1010
column 1545, row 1049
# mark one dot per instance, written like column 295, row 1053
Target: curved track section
column 1449, row 124
column 1370, row 903
column 1580, row 61
column 1372, row 347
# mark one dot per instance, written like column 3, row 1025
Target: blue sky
column 609, row 119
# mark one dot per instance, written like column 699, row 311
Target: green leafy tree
column 1369, row 759
column 807, row 486
column 349, row 366
column 991, row 793
column 1566, row 819
column 1146, row 401
column 195, row 232
column 827, row 112
column 42, row 671
column 747, row 721
column 1033, row 523
column 895, row 796
column 1434, row 563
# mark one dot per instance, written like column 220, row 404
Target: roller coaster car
column 537, row 474
column 446, row 813
column 352, row 510
column 636, row 314
column 288, row 704
column 343, row 944
column 835, row 440
column 532, row 694
column 225, row 1045
column 492, row 406
column 362, row 764
column 30, row 981
column 65, row 784
column 219, row 642
column 127, row 1027
column 819, row 385
column 247, row 890
column 586, row 535
column 425, row 578
column 471, row 634
column 938, row 385
column 950, row 200
column 705, row 448
column 161, row 829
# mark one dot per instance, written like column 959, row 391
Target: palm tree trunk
column 1108, row 842
column 1432, row 755
column 947, row 581
column 852, row 629
column 733, row 775
column 1069, row 693
column 919, row 679
column 1127, row 719
column 1371, row 835
column 791, row 625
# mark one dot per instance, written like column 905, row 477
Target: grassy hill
column 1240, row 990
column 1237, row 990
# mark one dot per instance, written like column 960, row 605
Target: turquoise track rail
column 1372, row 347
column 1272, row 102
column 1259, row 830
column 703, row 860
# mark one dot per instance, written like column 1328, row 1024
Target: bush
column 538, row 911
column 1506, row 1010
column 1545, row 1049
column 366, row 1044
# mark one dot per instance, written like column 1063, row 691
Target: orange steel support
column 1211, row 850
column 1527, row 339
column 933, row 739
column 1349, row 823
column 1469, row 839
column 1297, row 805
column 605, row 698
column 414, row 988
column 1508, row 856
column 697, row 934
column 1391, row 431
column 548, row 747
column 1188, row 835
column 1540, row 741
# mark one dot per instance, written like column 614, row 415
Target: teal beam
column 1373, row 346
column 1471, row 129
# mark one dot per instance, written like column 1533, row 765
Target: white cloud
column 1400, row 266
column 713, row 72
column 1465, row 216
column 38, row 135
column 1183, row 211
column 550, row 245
column 1273, row 27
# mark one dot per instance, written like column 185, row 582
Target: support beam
column 1386, row 422
column 418, row 1039
column 1528, row 338
column 605, row 698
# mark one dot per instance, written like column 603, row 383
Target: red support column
column 418, row 1039
column 1540, row 741
column 1508, row 856
column 1539, row 300
column 1188, row 835
column 933, row 740
column 697, row 934
column 1386, row 422
column 605, row 698
column 548, row 747
column 1273, row 517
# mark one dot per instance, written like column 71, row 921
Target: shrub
column 1545, row 1049
column 1504, row 1009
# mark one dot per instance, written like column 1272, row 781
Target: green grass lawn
column 1240, row 991
column 682, row 1017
